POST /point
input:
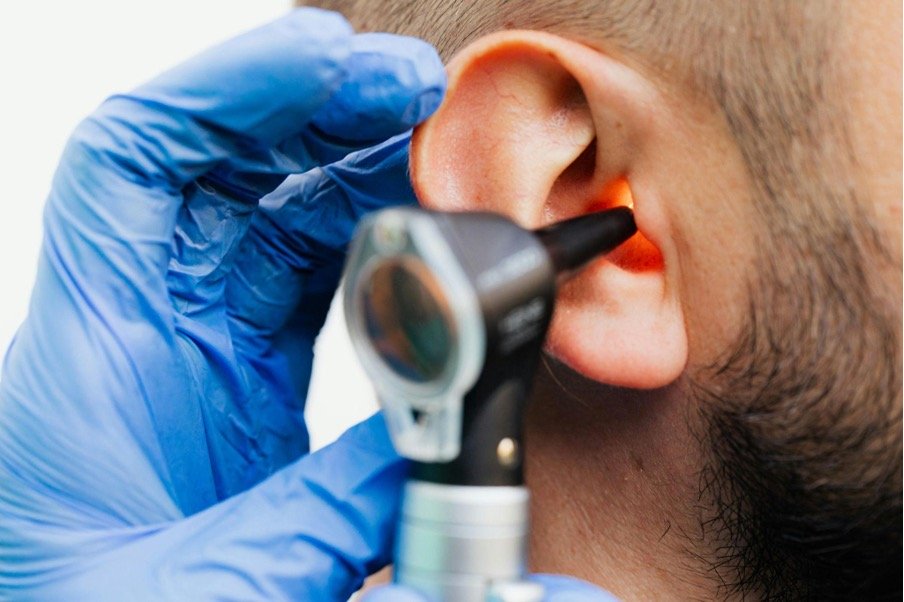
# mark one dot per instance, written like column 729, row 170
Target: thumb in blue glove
column 312, row 531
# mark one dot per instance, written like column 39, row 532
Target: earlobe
column 542, row 129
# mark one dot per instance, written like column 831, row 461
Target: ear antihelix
column 519, row 117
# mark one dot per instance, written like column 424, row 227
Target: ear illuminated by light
column 620, row 193
column 638, row 254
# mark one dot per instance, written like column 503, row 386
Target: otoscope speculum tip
column 574, row 242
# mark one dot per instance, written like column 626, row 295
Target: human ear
column 541, row 128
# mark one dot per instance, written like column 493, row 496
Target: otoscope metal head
column 448, row 313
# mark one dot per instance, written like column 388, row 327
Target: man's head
column 734, row 376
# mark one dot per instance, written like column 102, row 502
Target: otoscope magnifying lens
column 408, row 319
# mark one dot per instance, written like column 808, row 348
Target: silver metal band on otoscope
column 465, row 543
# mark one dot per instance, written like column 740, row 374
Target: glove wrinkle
column 152, row 404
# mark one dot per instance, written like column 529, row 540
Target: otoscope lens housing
column 408, row 319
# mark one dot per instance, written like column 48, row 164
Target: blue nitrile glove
column 160, row 376
column 557, row 589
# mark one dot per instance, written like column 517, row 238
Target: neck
column 613, row 478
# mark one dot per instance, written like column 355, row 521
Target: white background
column 59, row 60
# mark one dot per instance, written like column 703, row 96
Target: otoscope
column 448, row 313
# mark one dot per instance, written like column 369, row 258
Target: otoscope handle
column 490, row 286
column 465, row 543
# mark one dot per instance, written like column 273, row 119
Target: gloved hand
column 557, row 589
column 158, row 383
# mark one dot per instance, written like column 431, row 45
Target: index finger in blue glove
column 393, row 83
column 301, row 232
column 271, row 100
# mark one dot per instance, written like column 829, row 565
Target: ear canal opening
column 578, row 191
column 616, row 194
column 638, row 254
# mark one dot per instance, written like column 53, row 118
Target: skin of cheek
column 709, row 205
column 613, row 485
column 872, row 45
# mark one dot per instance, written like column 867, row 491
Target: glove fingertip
column 393, row 83
column 424, row 71
column 371, row 434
